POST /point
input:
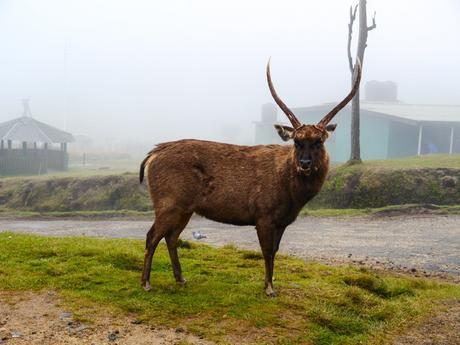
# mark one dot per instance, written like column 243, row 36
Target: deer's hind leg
column 166, row 223
column 171, row 241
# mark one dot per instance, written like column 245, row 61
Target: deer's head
column 309, row 139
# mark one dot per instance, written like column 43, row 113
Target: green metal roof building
column 389, row 129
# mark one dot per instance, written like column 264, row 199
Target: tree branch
column 373, row 26
column 350, row 33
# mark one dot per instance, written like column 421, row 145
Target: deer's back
column 222, row 182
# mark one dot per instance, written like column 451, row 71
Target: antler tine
column 326, row 119
column 294, row 121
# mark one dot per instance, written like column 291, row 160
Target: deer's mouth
column 303, row 171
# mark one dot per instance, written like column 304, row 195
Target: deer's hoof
column 270, row 292
column 147, row 286
column 181, row 282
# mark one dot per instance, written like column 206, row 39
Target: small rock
column 350, row 255
column 112, row 336
column 66, row 315
column 413, row 270
column 136, row 322
column 80, row 328
column 180, row 330
column 197, row 235
column 16, row 334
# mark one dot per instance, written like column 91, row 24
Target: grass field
column 425, row 161
column 224, row 300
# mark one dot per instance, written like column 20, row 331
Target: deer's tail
column 142, row 168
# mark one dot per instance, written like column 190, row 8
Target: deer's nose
column 305, row 163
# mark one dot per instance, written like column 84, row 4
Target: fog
column 149, row 71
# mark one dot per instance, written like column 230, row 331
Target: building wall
column 31, row 161
column 374, row 136
column 403, row 140
column 456, row 143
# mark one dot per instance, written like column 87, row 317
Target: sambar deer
column 265, row 185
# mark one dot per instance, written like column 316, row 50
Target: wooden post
column 10, row 144
column 45, row 158
column 451, row 146
column 2, row 145
column 419, row 148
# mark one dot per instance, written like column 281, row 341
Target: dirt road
column 430, row 243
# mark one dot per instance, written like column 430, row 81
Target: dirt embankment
column 95, row 193
column 358, row 186
column 367, row 187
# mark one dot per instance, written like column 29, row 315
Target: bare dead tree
column 355, row 156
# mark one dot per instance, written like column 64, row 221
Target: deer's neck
column 304, row 187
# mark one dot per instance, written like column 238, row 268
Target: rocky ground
column 423, row 245
column 38, row 318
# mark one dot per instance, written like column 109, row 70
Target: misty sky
column 151, row 71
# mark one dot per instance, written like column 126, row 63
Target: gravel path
column 430, row 243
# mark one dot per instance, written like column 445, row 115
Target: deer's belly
column 226, row 213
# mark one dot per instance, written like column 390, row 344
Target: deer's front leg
column 269, row 239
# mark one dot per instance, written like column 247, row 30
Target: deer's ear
column 285, row 132
column 331, row 128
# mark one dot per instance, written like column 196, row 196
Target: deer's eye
column 298, row 144
column 318, row 144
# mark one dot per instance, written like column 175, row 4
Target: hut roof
column 30, row 130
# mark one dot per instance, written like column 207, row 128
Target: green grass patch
column 406, row 209
column 131, row 214
column 223, row 299
column 415, row 162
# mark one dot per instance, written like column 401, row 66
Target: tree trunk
column 355, row 156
